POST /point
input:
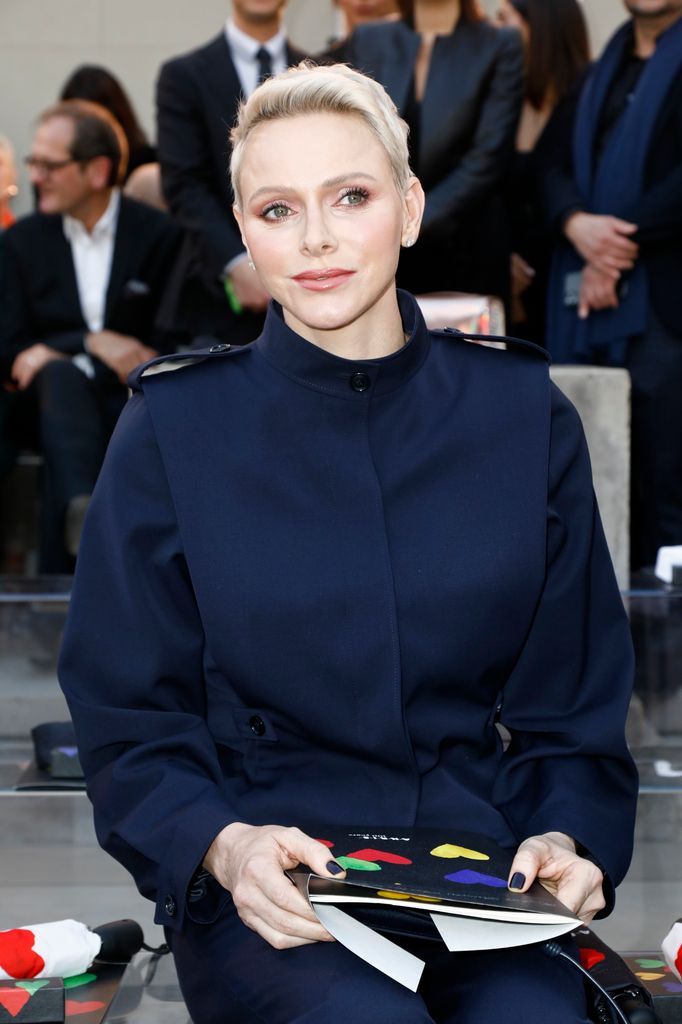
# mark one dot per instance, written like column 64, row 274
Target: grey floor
column 52, row 868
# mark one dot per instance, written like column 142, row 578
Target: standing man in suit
column 616, row 197
column 215, row 291
column 80, row 285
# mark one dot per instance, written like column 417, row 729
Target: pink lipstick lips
column 323, row 280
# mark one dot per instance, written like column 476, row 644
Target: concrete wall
column 41, row 41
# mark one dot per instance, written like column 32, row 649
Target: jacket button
column 360, row 381
column 170, row 906
column 220, row 348
column 257, row 725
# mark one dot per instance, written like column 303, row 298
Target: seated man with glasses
column 80, row 286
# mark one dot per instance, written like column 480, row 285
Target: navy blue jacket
column 308, row 588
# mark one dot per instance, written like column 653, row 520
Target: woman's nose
column 318, row 236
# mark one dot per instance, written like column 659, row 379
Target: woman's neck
column 436, row 17
column 377, row 333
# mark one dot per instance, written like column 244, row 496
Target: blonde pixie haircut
column 312, row 89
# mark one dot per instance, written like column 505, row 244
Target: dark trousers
column 655, row 363
column 229, row 975
column 69, row 418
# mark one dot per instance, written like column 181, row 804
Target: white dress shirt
column 244, row 48
column 92, row 253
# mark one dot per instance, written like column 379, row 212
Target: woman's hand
column 551, row 858
column 249, row 861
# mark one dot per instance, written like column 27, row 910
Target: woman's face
column 509, row 16
column 323, row 219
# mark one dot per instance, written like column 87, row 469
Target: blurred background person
column 95, row 83
column 458, row 82
column 80, row 285
column 215, row 292
column 8, row 182
column 614, row 194
column 557, row 53
column 351, row 14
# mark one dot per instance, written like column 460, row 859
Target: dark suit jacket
column 657, row 212
column 467, row 128
column 323, row 623
column 197, row 96
column 38, row 289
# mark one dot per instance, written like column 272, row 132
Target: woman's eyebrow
column 339, row 179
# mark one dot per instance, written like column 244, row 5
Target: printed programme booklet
column 448, row 885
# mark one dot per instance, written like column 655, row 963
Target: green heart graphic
column 79, row 979
column 32, row 986
column 649, row 964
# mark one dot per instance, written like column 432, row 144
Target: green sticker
column 649, row 964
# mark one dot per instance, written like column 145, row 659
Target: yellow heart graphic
column 448, row 850
column 648, row 976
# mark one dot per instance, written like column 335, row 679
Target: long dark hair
column 471, row 11
column 95, row 83
column 559, row 48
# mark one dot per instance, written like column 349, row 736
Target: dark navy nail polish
column 333, row 868
column 518, row 880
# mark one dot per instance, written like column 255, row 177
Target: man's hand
column 603, row 241
column 249, row 861
column 30, row 362
column 597, row 291
column 248, row 290
column 119, row 352
column 551, row 858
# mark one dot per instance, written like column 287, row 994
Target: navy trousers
column 229, row 975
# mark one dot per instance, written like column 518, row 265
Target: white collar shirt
column 244, row 48
column 92, row 253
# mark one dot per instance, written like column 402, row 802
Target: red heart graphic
column 590, row 957
column 74, row 1009
column 325, row 842
column 16, row 954
column 375, row 855
column 14, row 999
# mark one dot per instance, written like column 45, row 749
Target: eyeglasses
column 34, row 163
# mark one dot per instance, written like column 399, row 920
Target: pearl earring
column 251, row 263
column 408, row 242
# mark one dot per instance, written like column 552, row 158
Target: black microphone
column 121, row 940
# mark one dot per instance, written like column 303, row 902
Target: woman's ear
column 413, row 211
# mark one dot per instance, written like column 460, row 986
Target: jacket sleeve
column 483, row 165
column 567, row 767
column 18, row 327
column 187, row 170
column 131, row 671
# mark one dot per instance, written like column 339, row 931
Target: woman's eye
column 278, row 211
column 354, row 197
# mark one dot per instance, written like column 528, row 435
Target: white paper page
column 465, row 934
column 458, row 910
column 372, row 947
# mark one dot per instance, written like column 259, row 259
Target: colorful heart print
column 17, row 957
column 589, row 958
column 76, row 980
column 468, row 877
column 75, row 1009
column 649, row 964
column 447, row 850
column 372, row 855
column 351, row 864
column 32, row 986
column 14, row 1000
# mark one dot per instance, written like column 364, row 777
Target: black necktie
column 264, row 64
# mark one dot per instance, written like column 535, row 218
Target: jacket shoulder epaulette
column 178, row 361
column 498, row 341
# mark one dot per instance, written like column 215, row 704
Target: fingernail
column 518, row 880
column 333, row 868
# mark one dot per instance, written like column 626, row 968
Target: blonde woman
column 8, row 182
column 315, row 573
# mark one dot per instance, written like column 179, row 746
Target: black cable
column 553, row 949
